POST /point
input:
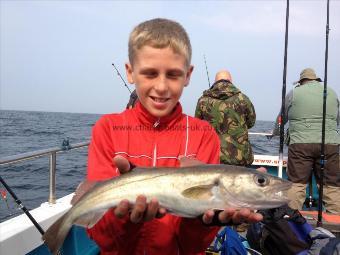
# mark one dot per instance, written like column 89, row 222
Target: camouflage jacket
column 231, row 113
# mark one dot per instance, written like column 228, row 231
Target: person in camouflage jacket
column 231, row 113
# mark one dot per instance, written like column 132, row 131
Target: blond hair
column 160, row 33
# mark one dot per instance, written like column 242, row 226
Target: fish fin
column 185, row 161
column 90, row 219
column 82, row 188
column 55, row 235
column 199, row 192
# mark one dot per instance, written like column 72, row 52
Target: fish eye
column 261, row 180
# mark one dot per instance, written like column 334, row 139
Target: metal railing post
column 52, row 153
column 53, row 166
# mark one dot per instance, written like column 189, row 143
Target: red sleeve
column 101, row 152
column 194, row 237
column 110, row 233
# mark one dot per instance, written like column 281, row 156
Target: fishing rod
column 118, row 73
column 282, row 115
column 22, row 207
column 322, row 153
column 206, row 69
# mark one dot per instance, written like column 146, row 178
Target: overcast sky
column 57, row 55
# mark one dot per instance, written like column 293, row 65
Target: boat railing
column 52, row 154
column 266, row 134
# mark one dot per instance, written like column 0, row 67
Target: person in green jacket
column 231, row 113
column 304, row 112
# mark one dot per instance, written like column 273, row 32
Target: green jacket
column 304, row 110
column 231, row 113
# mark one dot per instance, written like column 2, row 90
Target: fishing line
column 206, row 69
column 281, row 118
column 322, row 153
column 118, row 73
column 22, row 207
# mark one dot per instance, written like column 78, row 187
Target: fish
column 185, row 191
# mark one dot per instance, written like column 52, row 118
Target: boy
column 154, row 133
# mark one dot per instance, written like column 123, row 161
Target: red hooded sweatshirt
column 149, row 141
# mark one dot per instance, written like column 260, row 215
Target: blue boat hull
column 76, row 243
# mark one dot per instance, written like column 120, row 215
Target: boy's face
column 159, row 76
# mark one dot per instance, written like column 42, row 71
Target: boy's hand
column 231, row 216
column 141, row 211
column 122, row 164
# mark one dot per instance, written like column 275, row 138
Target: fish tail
column 56, row 234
